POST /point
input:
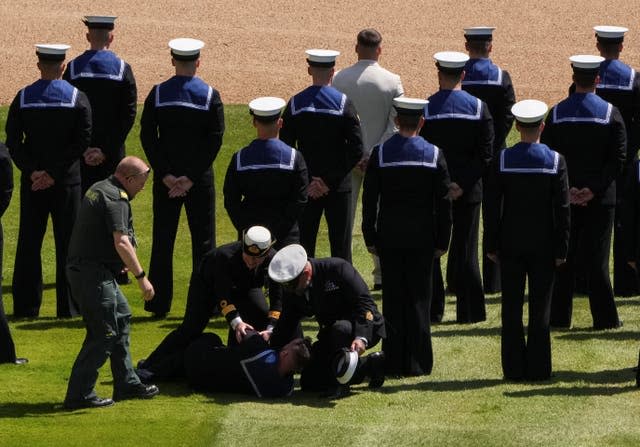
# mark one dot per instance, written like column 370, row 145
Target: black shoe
column 337, row 392
column 21, row 361
column 375, row 364
column 158, row 315
column 377, row 287
column 96, row 402
column 139, row 391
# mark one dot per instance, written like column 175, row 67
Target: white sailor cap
column 586, row 63
column 257, row 241
column 451, row 61
column 52, row 52
column 321, row 58
column 185, row 49
column 266, row 108
column 409, row 106
column 345, row 364
column 610, row 34
column 479, row 32
column 529, row 112
column 288, row 263
column 100, row 22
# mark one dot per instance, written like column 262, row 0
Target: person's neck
column 185, row 72
column 321, row 82
column 408, row 133
column 50, row 76
column 585, row 89
column 266, row 134
column 450, row 86
column 99, row 47
column 530, row 139
column 477, row 55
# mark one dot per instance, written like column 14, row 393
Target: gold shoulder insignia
column 91, row 195
column 369, row 316
column 124, row 195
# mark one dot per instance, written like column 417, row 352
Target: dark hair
column 408, row 122
column 478, row 45
column 585, row 79
column 369, row 38
column 300, row 352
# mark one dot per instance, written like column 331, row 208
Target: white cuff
column 235, row 322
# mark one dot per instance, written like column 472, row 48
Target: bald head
column 129, row 166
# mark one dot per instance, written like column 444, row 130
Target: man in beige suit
column 371, row 88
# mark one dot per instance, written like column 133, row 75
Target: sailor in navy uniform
column 527, row 226
column 266, row 182
column 48, row 129
column 231, row 276
column 589, row 132
column 620, row 85
column 334, row 292
column 323, row 125
column 461, row 126
column 110, row 86
column 488, row 82
column 252, row 367
column 181, row 132
column 406, row 220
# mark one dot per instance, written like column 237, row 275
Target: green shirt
column 105, row 209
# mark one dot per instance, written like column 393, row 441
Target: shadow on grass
column 445, row 385
column 11, row 410
column 562, row 383
column 464, row 331
column 44, row 323
column 580, row 334
column 7, row 288
column 299, row 398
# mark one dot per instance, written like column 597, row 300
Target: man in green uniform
column 102, row 241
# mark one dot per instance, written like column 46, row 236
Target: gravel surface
column 256, row 48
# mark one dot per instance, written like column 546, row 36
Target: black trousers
column 490, row 270
column 406, row 302
column 591, row 228
column 167, row 360
column 625, row 278
column 199, row 205
column 336, row 207
column 7, row 348
column 61, row 202
column 210, row 366
column 463, row 262
column 530, row 359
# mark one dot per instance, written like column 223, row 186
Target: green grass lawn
column 590, row 401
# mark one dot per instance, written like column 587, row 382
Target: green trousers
column 107, row 316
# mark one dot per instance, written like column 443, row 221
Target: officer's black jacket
column 337, row 292
column 222, row 274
